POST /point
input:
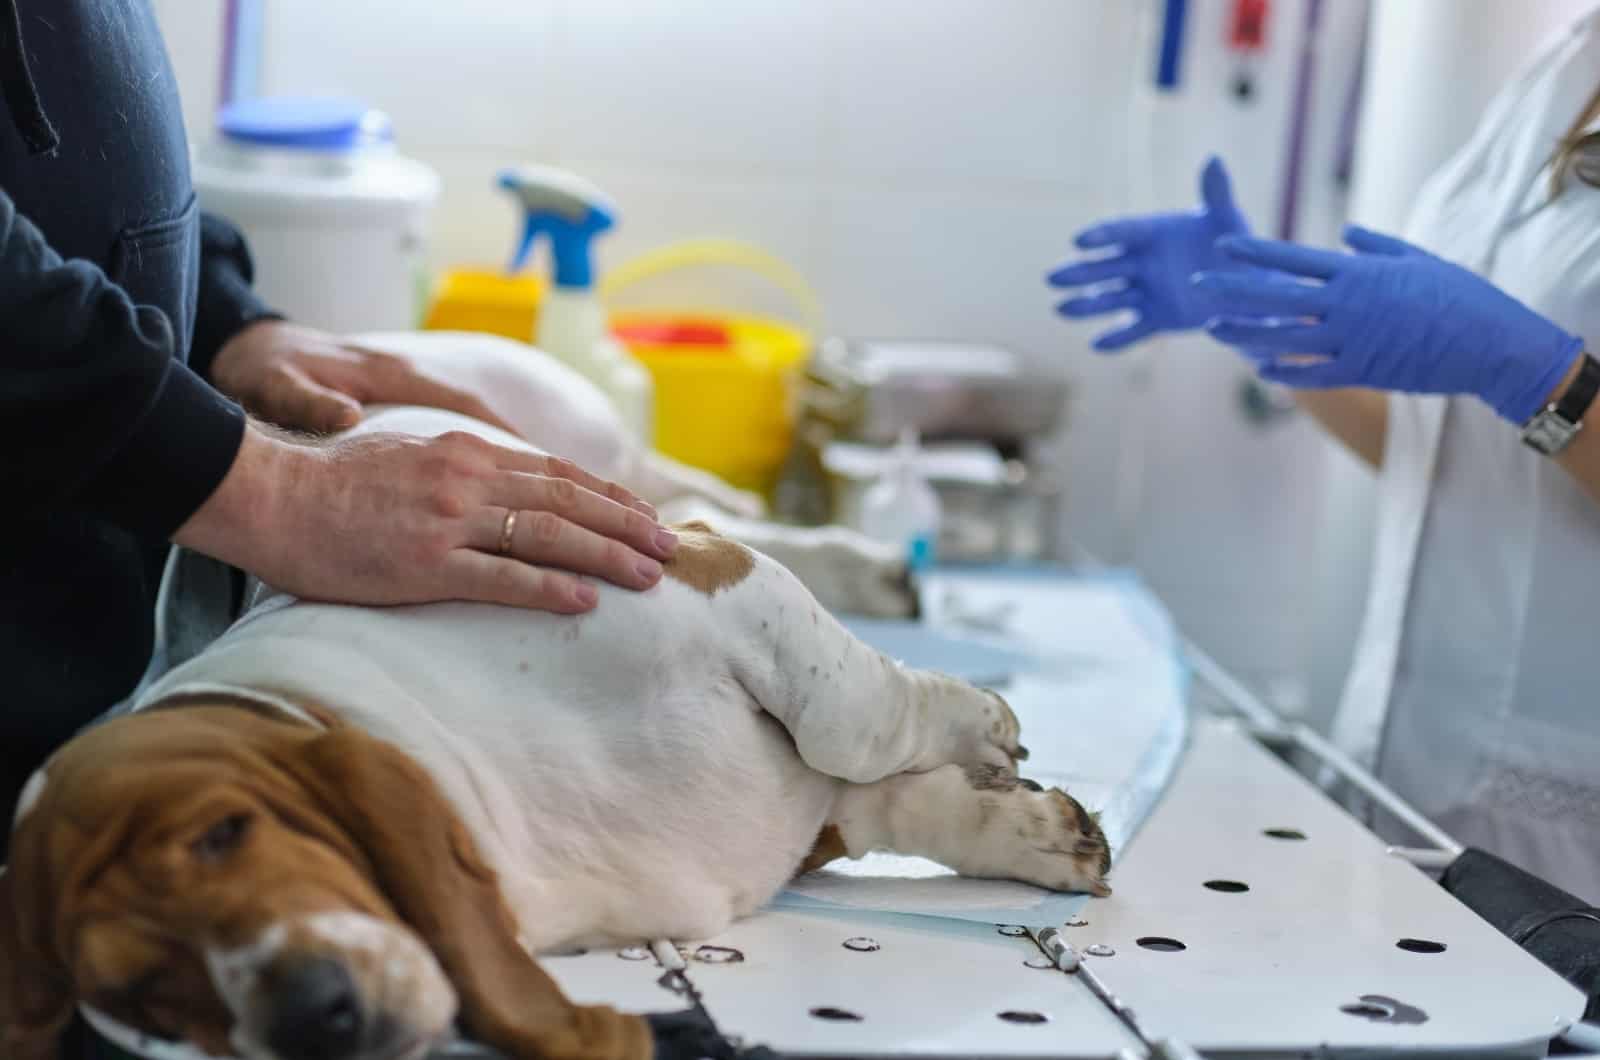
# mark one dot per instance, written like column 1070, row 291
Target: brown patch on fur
column 436, row 880
column 707, row 562
column 36, row 1004
column 990, row 778
column 828, row 847
column 1092, row 845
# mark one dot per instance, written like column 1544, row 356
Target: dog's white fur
column 558, row 411
column 674, row 744
column 399, row 976
column 31, row 793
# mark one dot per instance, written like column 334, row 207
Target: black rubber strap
column 1524, row 931
column 1574, row 404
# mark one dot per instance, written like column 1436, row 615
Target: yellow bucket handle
column 692, row 253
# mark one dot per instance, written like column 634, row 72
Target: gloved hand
column 1389, row 316
column 1159, row 253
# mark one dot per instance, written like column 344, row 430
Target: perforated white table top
column 1266, row 971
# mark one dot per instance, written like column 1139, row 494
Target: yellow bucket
column 486, row 300
column 724, row 381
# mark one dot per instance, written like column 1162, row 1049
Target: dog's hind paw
column 1065, row 847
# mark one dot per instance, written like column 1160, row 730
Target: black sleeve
column 95, row 411
column 226, row 302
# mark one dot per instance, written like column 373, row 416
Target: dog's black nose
column 316, row 1012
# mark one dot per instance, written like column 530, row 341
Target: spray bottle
column 572, row 326
column 901, row 508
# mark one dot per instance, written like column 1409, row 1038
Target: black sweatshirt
column 115, row 294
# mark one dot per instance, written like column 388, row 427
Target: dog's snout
column 316, row 1012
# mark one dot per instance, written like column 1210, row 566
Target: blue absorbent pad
column 1092, row 667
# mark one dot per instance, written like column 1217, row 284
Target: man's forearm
column 238, row 512
column 89, row 389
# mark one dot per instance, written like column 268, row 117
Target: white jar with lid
column 335, row 217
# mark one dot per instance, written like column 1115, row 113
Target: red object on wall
column 1247, row 27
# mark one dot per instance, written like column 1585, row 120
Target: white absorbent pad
column 1090, row 665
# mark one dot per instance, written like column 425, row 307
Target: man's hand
column 307, row 380
column 394, row 519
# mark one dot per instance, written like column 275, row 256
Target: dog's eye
column 222, row 838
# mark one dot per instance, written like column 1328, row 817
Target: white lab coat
column 1475, row 691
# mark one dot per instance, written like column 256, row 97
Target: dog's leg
column 854, row 713
column 980, row 822
column 848, row 572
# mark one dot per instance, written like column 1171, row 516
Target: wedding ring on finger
column 508, row 530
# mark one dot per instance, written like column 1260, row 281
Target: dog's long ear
column 35, row 997
column 429, row 868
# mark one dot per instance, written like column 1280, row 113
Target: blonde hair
column 1578, row 152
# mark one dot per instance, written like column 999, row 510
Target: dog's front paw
column 987, row 735
column 969, row 727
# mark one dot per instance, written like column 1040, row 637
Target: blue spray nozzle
column 567, row 208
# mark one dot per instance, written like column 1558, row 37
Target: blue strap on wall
column 1171, row 44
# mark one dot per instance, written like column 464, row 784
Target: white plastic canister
column 336, row 219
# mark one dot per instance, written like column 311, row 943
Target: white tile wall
column 971, row 92
column 923, row 162
column 965, row 265
column 777, row 213
column 728, row 88
column 472, row 74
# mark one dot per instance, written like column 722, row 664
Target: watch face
column 1548, row 432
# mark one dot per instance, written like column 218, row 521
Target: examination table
column 1252, row 916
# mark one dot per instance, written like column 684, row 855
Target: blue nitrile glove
column 1157, row 256
column 1390, row 316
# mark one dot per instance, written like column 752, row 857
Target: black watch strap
column 1554, row 427
column 1574, row 404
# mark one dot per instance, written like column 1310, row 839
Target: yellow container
column 486, row 300
column 724, row 380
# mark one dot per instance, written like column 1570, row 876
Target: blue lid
column 307, row 123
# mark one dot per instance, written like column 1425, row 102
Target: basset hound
column 340, row 832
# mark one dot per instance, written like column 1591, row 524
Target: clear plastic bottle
column 571, row 212
column 572, row 327
column 901, row 508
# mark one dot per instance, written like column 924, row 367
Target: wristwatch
column 1553, row 429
